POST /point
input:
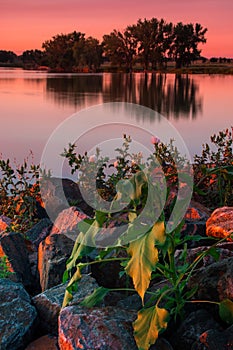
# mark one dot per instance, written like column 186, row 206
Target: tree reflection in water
column 174, row 96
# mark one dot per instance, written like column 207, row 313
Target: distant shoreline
column 196, row 68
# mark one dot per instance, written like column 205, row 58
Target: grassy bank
column 196, row 68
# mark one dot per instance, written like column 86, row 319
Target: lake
column 34, row 103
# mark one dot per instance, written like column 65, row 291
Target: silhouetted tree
column 89, row 53
column 33, row 58
column 120, row 47
column 7, row 57
column 60, row 50
column 145, row 32
column 186, row 38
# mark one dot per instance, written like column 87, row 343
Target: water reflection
column 176, row 96
column 75, row 90
column 171, row 95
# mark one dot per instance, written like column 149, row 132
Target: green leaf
column 148, row 325
column 85, row 224
column 140, row 180
column 100, row 217
column 79, row 250
column 226, row 311
column 95, row 298
column 144, row 256
column 71, row 287
column 214, row 252
column 65, row 276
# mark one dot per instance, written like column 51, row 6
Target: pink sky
column 26, row 24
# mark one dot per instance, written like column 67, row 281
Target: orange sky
column 26, row 24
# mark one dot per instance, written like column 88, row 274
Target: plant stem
column 100, row 261
column 203, row 301
column 128, row 290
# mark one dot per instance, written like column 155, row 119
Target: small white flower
column 93, row 158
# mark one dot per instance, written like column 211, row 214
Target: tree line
column 150, row 43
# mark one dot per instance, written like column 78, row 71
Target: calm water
column 33, row 104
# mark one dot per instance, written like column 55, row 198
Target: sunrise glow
column 27, row 24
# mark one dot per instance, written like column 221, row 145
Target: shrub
column 19, row 191
column 213, row 171
column 144, row 247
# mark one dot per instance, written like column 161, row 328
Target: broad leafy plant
column 146, row 250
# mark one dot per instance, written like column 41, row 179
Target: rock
column 47, row 342
column 132, row 302
column 67, row 221
column 215, row 282
column 34, row 237
column 215, row 340
column 48, row 303
column 195, row 223
column 4, row 223
column 220, row 224
column 33, row 261
column 12, row 245
column 38, row 233
column 191, row 328
column 161, row 344
column 224, row 250
column 17, row 316
column 58, row 194
column 96, row 328
column 53, row 253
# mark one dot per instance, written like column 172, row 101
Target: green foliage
column 146, row 245
column 4, row 267
column 226, row 311
column 96, row 297
column 213, row 171
column 19, row 191
column 145, row 250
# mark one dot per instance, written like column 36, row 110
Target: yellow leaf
column 148, row 325
column 144, row 256
column 68, row 293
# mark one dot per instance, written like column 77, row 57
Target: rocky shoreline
column 31, row 298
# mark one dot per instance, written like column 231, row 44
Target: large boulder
column 224, row 251
column 12, row 245
column 38, row 233
column 52, row 256
column 67, row 222
column 96, row 328
column 220, row 224
column 213, row 339
column 47, row 342
column 17, row 316
column 58, row 194
column 215, row 282
column 48, row 303
column 190, row 330
column 56, row 248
